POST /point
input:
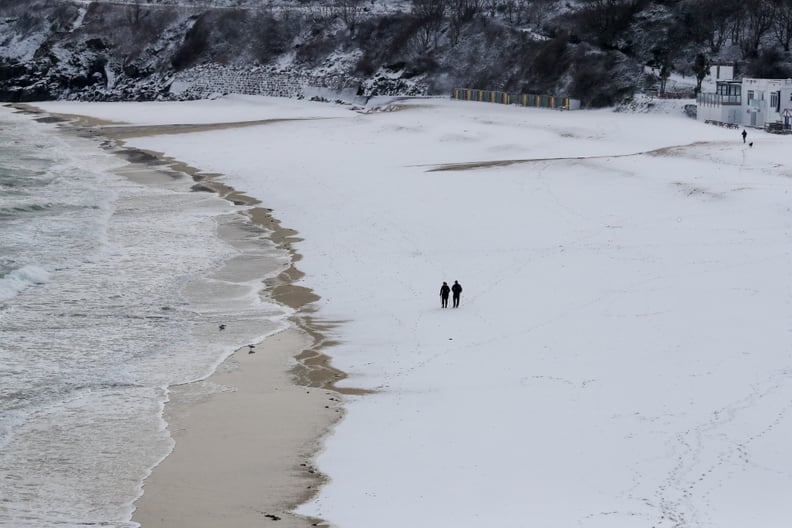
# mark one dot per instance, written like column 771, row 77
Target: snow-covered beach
column 621, row 355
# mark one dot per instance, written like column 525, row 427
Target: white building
column 722, row 106
column 751, row 102
column 720, row 72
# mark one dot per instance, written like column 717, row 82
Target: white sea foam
column 119, row 295
column 19, row 279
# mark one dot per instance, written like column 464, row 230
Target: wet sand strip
column 243, row 455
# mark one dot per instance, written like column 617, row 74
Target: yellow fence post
column 497, row 96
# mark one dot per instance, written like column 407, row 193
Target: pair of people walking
column 456, row 289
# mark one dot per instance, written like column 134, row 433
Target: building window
column 774, row 100
column 750, row 95
column 728, row 89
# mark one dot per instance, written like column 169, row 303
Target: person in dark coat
column 457, row 289
column 744, row 134
column 444, row 291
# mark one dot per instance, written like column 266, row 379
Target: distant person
column 444, row 291
column 457, row 289
column 744, row 135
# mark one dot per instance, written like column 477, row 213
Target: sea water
column 114, row 281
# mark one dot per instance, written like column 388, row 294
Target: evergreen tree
column 701, row 67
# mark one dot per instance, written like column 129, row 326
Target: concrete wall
column 731, row 114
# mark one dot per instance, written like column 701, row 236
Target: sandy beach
column 620, row 356
column 244, row 454
column 246, row 437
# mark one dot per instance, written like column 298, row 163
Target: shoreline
column 507, row 411
column 244, row 448
column 244, row 454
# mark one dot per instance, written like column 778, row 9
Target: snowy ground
column 621, row 357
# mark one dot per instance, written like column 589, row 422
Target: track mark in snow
column 555, row 379
column 708, row 456
column 469, row 165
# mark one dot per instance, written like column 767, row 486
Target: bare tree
column 782, row 24
column 757, row 21
column 430, row 15
column 509, row 8
column 536, row 11
column 715, row 20
column 607, row 18
column 461, row 12
column 135, row 13
column 465, row 10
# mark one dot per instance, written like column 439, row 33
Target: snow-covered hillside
column 591, row 51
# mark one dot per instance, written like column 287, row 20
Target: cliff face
column 135, row 50
column 591, row 50
column 66, row 49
